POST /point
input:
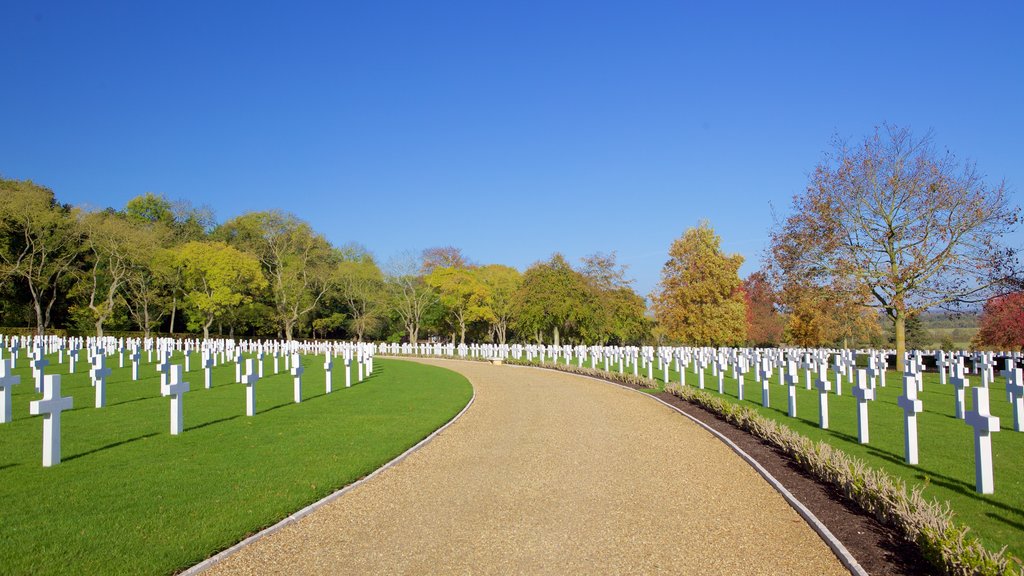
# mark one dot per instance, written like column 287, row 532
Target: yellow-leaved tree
column 699, row 300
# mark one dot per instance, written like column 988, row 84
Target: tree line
column 162, row 266
column 887, row 229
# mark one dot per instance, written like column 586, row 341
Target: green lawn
column 129, row 498
column 945, row 444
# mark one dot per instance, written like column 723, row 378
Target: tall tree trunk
column 901, row 338
column 39, row 318
column 174, row 312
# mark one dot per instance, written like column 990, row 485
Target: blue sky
column 509, row 129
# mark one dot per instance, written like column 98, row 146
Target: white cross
column 297, row 371
column 1015, row 392
column 838, row 366
column 911, row 408
column 7, row 379
column 984, row 425
column 238, row 366
column 328, row 367
column 176, row 389
column 792, row 379
column 824, row 386
column 99, row 375
column 862, row 392
column 250, row 380
column 959, row 383
column 50, row 407
column 39, row 365
column 766, row 374
column 162, row 367
column 208, row 362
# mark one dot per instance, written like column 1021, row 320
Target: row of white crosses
column 171, row 379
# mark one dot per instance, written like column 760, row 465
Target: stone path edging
column 837, row 547
column 220, row 556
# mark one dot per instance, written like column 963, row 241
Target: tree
column 700, row 301
column 409, row 295
column 619, row 313
column 216, row 277
column 298, row 262
column 115, row 248
column 1002, row 322
column 764, row 322
column 40, row 243
column 820, row 316
column 552, row 298
column 462, row 295
column 500, row 283
column 892, row 218
column 442, row 257
column 361, row 286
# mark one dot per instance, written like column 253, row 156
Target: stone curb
column 221, row 556
column 837, row 547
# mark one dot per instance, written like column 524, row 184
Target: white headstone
column 824, row 386
column 911, row 408
column 99, row 375
column 297, row 371
column 175, row 388
column 984, row 425
column 249, row 379
column 1015, row 393
column 7, row 380
column 863, row 392
column 50, row 407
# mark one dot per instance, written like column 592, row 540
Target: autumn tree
column 819, row 316
column 40, row 243
column 442, row 257
column 1002, row 323
column 699, row 300
column 764, row 321
column 893, row 218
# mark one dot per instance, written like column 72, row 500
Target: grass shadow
column 109, row 446
column 210, row 423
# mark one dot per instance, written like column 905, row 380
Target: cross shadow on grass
column 6, row 466
column 109, row 446
column 132, row 400
column 1005, row 520
column 210, row 423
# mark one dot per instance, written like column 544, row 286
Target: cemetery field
column 946, row 444
column 130, row 498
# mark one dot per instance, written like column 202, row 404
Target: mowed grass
column 945, row 444
column 129, row 498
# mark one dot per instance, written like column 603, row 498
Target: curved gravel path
column 549, row 473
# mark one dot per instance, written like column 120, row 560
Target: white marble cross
column 984, row 425
column 135, row 357
column 99, row 375
column 328, row 367
column 911, row 408
column 238, row 366
column 824, row 386
column 1015, row 392
column 7, row 379
column 766, row 375
column 163, row 366
column 959, row 383
column 249, row 379
column 297, row 371
column 792, row 379
column 348, row 370
column 862, row 392
column 208, row 362
column 50, row 407
column 176, row 389
column 39, row 364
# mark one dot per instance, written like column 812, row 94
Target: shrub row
column 927, row 523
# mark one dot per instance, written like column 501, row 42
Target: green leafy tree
column 409, row 296
column 298, row 262
column 462, row 295
column 699, row 299
column 553, row 298
column 115, row 248
column 361, row 287
column 216, row 277
column 40, row 244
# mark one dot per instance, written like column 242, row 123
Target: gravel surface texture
column 550, row 473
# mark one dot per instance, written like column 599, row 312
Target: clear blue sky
column 509, row 129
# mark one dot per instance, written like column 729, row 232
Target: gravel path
column 549, row 473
